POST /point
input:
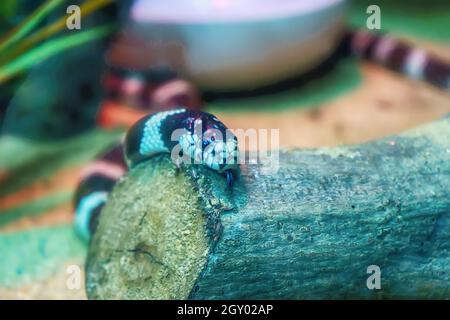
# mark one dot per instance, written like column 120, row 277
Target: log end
column 151, row 241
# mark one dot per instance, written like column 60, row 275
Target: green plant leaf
column 58, row 45
column 26, row 26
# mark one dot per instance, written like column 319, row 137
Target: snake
column 189, row 136
column 163, row 89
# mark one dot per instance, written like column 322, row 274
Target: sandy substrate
column 383, row 105
column 55, row 287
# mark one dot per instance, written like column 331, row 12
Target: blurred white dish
column 236, row 44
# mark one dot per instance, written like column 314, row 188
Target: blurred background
column 256, row 64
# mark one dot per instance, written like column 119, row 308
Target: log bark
column 310, row 231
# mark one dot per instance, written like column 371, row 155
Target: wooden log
column 309, row 231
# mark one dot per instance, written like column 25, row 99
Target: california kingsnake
column 161, row 90
column 202, row 139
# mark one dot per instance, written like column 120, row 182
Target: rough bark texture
column 307, row 232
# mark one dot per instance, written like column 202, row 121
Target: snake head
column 213, row 145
